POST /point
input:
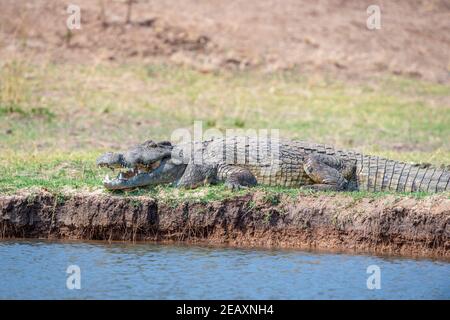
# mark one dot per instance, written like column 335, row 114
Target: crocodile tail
column 379, row 174
column 430, row 179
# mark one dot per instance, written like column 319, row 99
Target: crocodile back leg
column 328, row 172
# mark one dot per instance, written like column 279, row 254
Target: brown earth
column 392, row 224
column 324, row 36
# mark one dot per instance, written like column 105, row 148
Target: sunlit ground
column 56, row 119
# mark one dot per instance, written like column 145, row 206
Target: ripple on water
column 37, row 270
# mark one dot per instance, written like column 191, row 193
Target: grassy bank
column 56, row 119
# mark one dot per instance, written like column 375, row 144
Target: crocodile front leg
column 196, row 175
column 328, row 172
column 236, row 177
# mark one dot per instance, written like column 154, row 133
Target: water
column 37, row 270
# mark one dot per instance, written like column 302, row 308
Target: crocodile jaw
column 160, row 172
column 130, row 177
column 120, row 183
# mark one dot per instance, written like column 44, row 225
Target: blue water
column 37, row 270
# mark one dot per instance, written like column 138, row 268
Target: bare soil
column 310, row 36
column 395, row 225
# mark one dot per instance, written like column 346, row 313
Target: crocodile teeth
column 155, row 165
column 106, row 179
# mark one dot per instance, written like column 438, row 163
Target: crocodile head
column 145, row 164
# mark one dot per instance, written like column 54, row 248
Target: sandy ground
column 321, row 36
column 395, row 225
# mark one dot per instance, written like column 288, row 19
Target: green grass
column 55, row 119
column 64, row 173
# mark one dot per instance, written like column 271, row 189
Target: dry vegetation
column 64, row 98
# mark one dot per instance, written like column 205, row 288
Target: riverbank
column 394, row 224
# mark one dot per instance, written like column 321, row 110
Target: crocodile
column 241, row 162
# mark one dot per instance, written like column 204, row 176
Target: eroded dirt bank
column 387, row 224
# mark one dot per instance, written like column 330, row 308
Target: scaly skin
column 244, row 161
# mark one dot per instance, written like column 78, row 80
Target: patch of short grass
column 55, row 119
column 52, row 172
column 110, row 105
column 62, row 173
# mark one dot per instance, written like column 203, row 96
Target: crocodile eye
column 149, row 144
column 164, row 144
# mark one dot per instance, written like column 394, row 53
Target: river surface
column 38, row 270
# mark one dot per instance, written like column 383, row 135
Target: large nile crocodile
column 245, row 161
